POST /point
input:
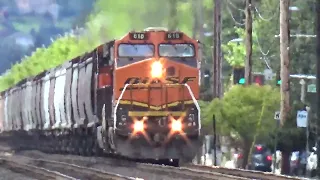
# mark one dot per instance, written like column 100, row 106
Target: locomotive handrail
column 197, row 106
column 116, row 107
column 125, row 87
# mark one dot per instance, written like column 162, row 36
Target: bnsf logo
column 168, row 80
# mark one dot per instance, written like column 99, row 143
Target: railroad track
column 79, row 166
column 172, row 172
column 79, row 171
column 49, row 170
column 189, row 173
column 82, row 164
column 243, row 173
column 33, row 171
column 200, row 172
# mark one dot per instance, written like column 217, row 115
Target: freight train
column 135, row 97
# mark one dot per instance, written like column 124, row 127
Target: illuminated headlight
column 191, row 117
column 156, row 70
column 138, row 126
column 176, row 125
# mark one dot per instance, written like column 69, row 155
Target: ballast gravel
column 7, row 174
column 110, row 165
column 101, row 163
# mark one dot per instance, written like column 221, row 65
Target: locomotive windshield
column 176, row 50
column 136, row 50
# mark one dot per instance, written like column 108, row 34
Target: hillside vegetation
column 28, row 24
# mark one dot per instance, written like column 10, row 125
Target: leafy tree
column 235, row 52
column 245, row 113
column 103, row 24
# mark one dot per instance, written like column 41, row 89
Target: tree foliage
column 245, row 113
column 235, row 51
column 243, row 107
column 62, row 49
column 103, row 24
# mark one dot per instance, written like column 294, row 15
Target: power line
column 234, row 6
column 260, row 48
column 267, row 19
column 235, row 21
column 265, row 54
column 264, row 58
column 241, row 24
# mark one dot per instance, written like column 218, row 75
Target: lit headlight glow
column 138, row 126
column 176, row 125
column 156, row 69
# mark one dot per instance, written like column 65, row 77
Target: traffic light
column 258, row 79
column 238, row 76
column 278, row 78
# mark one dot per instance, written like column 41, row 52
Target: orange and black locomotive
column 156, row 88
column 135, row 96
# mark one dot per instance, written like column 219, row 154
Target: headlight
column 156, row 70
column 138, row 126
column 176, row 125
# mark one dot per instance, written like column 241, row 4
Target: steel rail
column 243, row 173
column 34, row 171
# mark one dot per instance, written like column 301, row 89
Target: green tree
column 235, row 52
column 173, row 23
column 104, row 24
column 244, row 113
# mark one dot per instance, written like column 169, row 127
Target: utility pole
column 217, row 65
column 248, row 64
column 285, row 61
column 173, row 22
column 199, row 33
column 318, row 80
column 217, row 54
column 201, row 21
column 198, row 30
column 195, row 19
column 284, row 74
column 303, row 90
column 198, row 23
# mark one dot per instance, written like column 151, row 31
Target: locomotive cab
column 156, row 88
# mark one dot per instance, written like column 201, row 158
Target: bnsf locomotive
column 135, row 96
